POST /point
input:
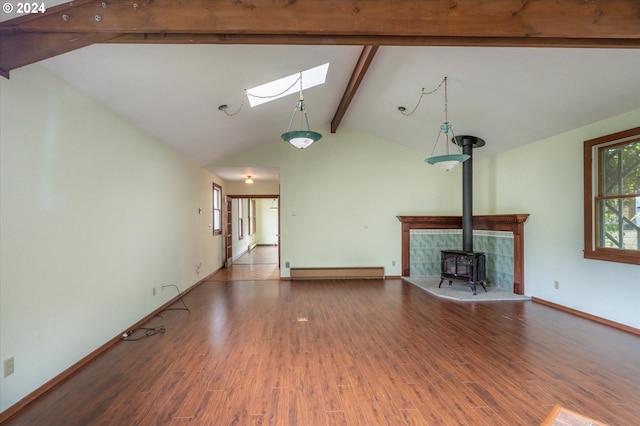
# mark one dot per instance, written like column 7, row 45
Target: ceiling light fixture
column 447, row 161
column 248, row 180
column 304, row 137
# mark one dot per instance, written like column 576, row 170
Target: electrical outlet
column 154, row 291
column 8, row 367
column 286, row 265
column 393, row 263
column 556, row 285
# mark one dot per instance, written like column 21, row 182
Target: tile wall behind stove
column 425, row 246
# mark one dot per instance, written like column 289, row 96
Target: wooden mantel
column 499, row 222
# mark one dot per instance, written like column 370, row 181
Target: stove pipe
column 467, row 143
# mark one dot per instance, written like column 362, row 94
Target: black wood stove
column 465, row 265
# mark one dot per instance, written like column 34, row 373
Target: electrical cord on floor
column 181, row 299
column 148, row 332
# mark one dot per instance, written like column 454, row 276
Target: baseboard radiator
column 372, row 272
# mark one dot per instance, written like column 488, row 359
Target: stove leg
column 482, row 284
column 472, row 284
column 441, row 279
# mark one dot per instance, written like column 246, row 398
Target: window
column 252, row 217
column 240, row 221
column 287, row 85
column 217, row 209
column 612, row 197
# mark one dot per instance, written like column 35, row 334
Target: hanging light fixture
column 304, row 137
column 447, row 161
column 274, row 205
column 248, row 180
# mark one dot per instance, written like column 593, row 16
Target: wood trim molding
column 499, row 222
column 235, row 196
column 595, row 318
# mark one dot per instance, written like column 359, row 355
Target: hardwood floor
column 352, row 352
column 261, row 263
column 259, row 255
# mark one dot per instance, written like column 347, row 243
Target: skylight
column 287, row 85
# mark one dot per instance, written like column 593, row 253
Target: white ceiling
column 507, row 96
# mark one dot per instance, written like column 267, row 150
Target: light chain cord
column 423, row 93
column 231, row 114
column 299, row 79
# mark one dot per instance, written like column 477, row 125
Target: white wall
column 545, row 179
column 94, row 214
column 240, row 246
column 266, row 221
column 340, row 197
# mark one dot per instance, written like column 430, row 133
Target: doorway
column 252, row 237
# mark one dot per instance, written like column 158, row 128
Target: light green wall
column 340, row 197
column 94, row 214
column 257, row 188
column 545, row 179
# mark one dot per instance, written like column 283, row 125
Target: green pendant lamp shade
column 447, row 161
column 305, row 137
column 301, row 138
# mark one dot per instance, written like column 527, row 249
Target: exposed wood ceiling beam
column 19, row 47
column 594, row 23
column 508, row 18
column 25, row 49
column 377, row 40
column 368, row 52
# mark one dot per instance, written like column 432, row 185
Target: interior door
column 228, row 235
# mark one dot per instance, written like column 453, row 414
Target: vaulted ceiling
column 518, row 71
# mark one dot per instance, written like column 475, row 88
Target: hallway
column 259, row 264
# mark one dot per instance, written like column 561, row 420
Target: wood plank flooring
column 261, row 263
column 351, row 352
column 259, row 255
